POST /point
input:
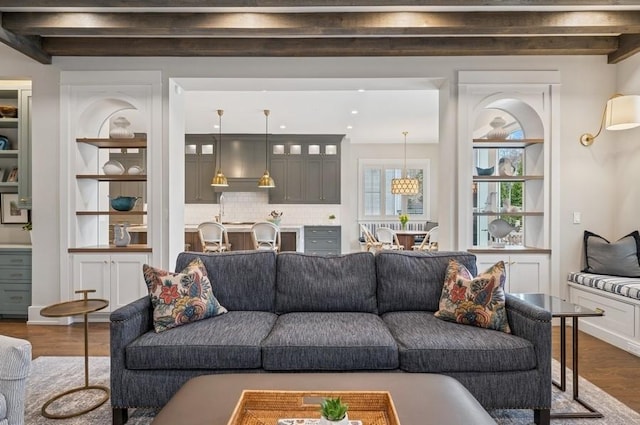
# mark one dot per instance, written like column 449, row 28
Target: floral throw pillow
column 180, row 298
column 477, row 301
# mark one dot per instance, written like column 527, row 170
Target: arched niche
column 517, row 113
column 95, row 120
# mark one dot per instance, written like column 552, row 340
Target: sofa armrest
column 127, row 324
column 534, row 324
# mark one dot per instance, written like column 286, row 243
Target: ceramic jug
column 121, row 236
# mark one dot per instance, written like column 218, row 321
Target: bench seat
column 619, row 298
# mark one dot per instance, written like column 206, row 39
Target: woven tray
column 266, row 407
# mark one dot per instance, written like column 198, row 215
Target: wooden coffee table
column 425, row 399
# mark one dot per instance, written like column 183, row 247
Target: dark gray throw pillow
column 621, row 258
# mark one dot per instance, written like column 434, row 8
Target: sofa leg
column 120, row 415
column 542, row 416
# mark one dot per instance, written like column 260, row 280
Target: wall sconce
column 621, row 113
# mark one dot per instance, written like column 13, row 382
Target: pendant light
column 266, row 182
column 219, row 179
column 404, row 185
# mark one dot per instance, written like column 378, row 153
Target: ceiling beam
column 317, row 47
column 310, row 3
column 322, row 24
column 629, row 45
column 29, row 46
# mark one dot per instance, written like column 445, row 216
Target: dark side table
column 563, row 309
column 83, row 306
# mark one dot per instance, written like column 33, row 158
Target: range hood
column 243, row 159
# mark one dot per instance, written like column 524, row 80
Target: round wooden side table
column 73, row 308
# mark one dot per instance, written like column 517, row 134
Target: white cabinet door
column 127, row 282
column 92, row 271
column 526, row 273
column 116, row 277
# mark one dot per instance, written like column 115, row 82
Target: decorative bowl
column 8, row 111
column 124, row 203
column 134, row 170
column 485, row 171
column 113, row 167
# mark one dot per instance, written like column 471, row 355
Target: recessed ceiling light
column 349, row 127
column 216, row 126
column 354, row 112
column 360, row 90
column 283, row 126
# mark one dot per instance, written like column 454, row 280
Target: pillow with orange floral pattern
column 477, row 301
column 180, row 298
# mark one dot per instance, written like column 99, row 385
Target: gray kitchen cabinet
column 322, row 182
column 287, row 172
column 322, row 240
column 199, row 169
column 15, row 281
column 306, row 169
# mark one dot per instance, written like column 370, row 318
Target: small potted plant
column 404, row 219
column 332, row 218
column 334, row 412
column 28, row 227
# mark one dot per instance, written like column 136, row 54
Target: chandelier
column 404, row 185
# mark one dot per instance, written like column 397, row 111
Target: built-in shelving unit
column 93, row 194
column 506, row 128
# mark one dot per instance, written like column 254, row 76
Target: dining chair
column 388, row 238
column 430, row 241
column 265, row 236
column 370, row 241
column 213, row 237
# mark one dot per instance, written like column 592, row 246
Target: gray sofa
column 355, row 312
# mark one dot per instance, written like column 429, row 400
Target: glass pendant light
column 266, row 182
column 404, row 185
column 219, row 179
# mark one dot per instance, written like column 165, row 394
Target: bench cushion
column 228, row 341
column 427, row 344
column 625, row 286
column 329, row 342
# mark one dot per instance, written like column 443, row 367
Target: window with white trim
column 376, row 202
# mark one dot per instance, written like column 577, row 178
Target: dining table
column 407, row 238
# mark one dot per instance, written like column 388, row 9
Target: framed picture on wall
column 10, row 211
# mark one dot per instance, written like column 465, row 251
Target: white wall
column 626, row 178
column 589, row 181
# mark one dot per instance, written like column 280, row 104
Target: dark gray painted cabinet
column 306, row 169
column 199, row 169
column 322, row 240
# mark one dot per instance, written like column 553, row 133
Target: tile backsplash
column 255, row 206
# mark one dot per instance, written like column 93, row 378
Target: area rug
column 54, row 375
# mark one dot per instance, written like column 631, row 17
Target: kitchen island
column 291, row 237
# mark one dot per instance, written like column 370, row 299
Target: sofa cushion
column 332, row 283
column 229, row 341
column 241, row 280
column 412, row 280
column 427, row 344
column 329, row 341
column 477, row 301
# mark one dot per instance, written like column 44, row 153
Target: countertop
column 230, row 228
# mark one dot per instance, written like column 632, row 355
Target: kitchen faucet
column 220, row 207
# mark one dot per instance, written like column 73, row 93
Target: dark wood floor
column 615, row 371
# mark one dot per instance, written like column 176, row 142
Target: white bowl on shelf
column 113, row 167
column 134, row 170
